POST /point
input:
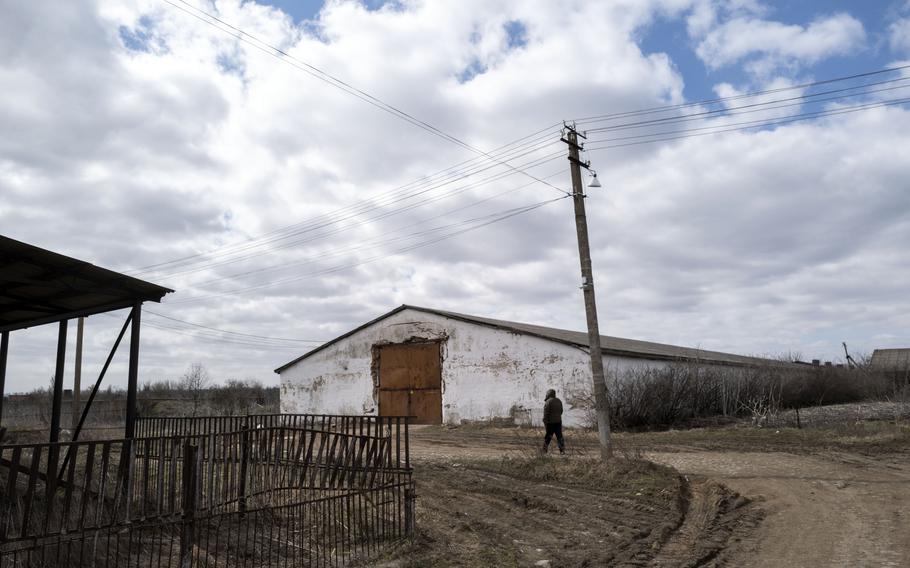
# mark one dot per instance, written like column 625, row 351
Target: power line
column 330, row 79
column 713, row 130
column 756, row 107
column 507, row 215
column 224, row 340
column 213, row 337
column 750, row 94
column 369, row 260
column 396, row 195
column 370, row 244
column 349, row 212
column 758, row 121
column 196, row 267
column 768, row 122
column 752, row 108
column 232, row 332
column 231, row 257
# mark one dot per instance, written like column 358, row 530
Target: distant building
column 892, row 360
column 440, row 366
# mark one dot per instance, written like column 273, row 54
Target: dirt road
column 820, row 510
column 815, row 507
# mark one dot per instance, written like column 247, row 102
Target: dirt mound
column 568, row 512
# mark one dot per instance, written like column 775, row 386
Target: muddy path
column 471, row 517
column 748, row 506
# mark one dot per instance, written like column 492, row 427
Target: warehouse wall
column 487, row 373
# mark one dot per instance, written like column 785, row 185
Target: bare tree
column 196, row 382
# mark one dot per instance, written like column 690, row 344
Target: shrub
column 680, row 392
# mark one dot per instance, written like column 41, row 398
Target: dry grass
column 638, row 477
column 862, row 437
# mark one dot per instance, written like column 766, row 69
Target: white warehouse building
column 444, row 367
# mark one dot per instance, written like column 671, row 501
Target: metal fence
column 257, row 496
column 395, row 428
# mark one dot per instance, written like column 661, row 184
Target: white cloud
column 797, row 231
column 140, row 134
column 769, row 44
column 899, row 36
column 128, row 157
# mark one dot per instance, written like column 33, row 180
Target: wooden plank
column 308, row 459
column 172, row 475
column 210, row 455
column 329, row 458
column 394, row 361
column 393, row 403
column 358, row 462
column 317, row 462
column 336, row 465
column 426, row 406
column 424, row 366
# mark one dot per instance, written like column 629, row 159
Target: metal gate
column 410, row 382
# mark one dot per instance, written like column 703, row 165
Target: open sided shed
column 39, row 287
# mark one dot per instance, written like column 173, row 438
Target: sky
column 409, row 152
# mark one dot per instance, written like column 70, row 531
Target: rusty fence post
column 410, row 496
column 190, row 492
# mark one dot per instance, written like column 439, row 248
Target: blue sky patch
column 302, row 10
column 473, row 69
column 298, row 10
column 229, row 64
column 516, row 34
column 138, row 38
column 670, row 36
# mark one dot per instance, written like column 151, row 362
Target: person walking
column 552, row 420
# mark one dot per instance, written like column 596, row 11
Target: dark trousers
column 554, row 428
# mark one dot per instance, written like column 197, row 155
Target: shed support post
column 133, row 377
column 4, row 352
column 58, row 382
column 77, row 374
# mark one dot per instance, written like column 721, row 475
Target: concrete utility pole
column 587, row 285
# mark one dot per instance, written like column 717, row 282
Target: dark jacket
column 552, row 411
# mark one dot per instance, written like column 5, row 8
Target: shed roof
column 895, row 359
column 610, row 345
column 38, row 286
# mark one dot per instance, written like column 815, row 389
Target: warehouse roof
column 610, row 345
column 894, row 359
column 38, row 286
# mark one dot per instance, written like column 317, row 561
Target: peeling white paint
column 487, row 373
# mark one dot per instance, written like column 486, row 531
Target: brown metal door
column 410, row 382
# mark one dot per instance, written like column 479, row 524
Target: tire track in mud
column 821, row 506
column 471, row 516
column 522, row 522
column 714, row 517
